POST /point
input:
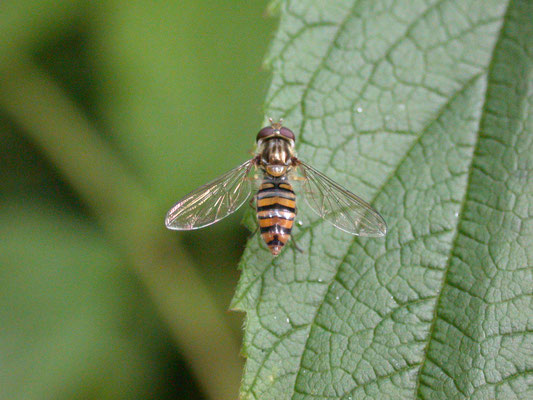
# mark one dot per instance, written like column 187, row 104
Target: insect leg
column 298, row 178
column 251, row 203
column 252, row 199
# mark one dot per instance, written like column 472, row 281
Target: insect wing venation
column 339, row 206
column 212, row 201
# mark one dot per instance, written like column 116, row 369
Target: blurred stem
column 126, row 211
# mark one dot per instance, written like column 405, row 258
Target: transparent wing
column 339, row 206
column 211, row 202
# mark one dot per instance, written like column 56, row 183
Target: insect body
column 276, row 210
column 276, row 199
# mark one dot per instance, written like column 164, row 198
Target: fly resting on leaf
column 275, row 200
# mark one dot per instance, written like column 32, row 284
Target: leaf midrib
column 393, row 173
column 458, row 231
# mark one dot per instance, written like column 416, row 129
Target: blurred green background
column 110, row 111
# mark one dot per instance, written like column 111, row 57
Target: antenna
column 276, row 125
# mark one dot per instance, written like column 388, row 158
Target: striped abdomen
column 276, row 210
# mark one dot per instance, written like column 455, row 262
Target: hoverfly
column 280, row 170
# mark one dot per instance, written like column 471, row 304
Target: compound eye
column 265, row 132
column 287, row 133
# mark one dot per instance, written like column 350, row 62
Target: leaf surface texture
column 424, row 109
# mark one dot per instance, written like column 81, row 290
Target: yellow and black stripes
column 276, row 210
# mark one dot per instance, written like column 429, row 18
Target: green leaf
column 423, row 108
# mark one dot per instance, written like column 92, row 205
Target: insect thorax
column 276, row 156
